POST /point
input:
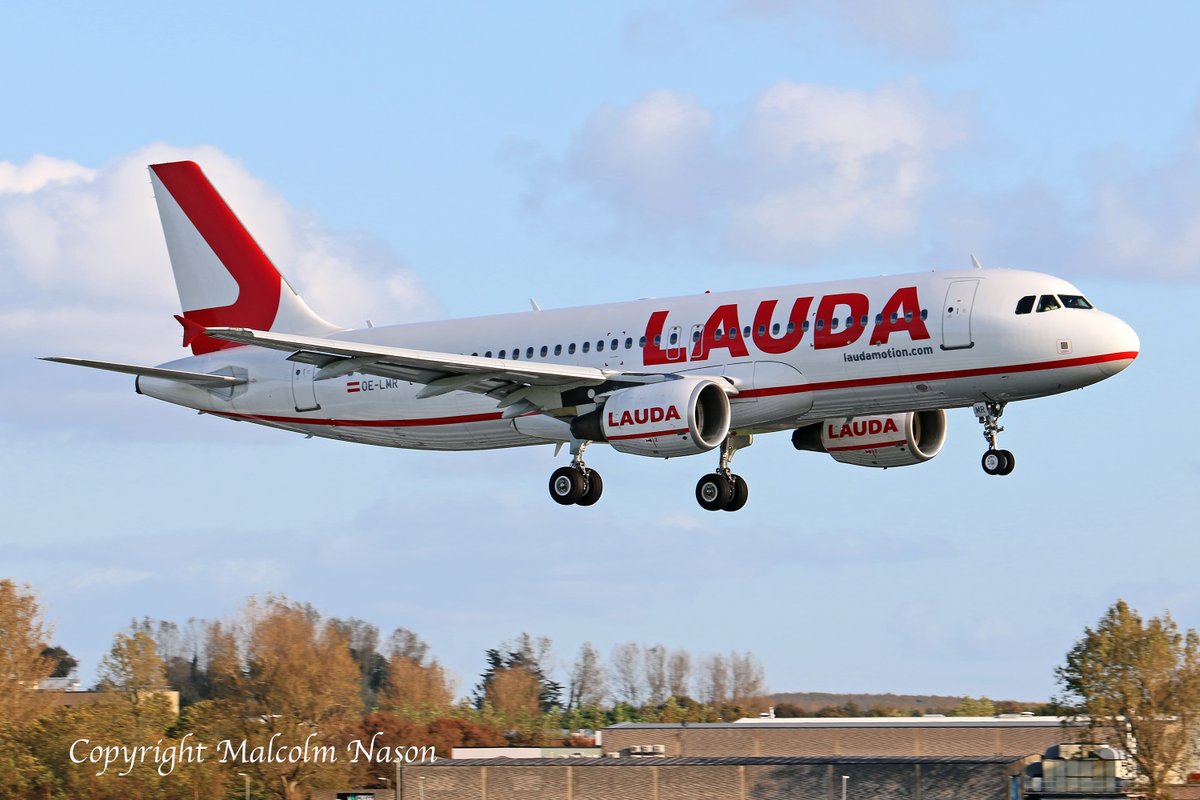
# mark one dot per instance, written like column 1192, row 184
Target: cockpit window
column 1074, row 301
column 1048, row 302
column 1025, row 304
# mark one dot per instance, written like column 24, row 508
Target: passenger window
column 613, row 344
column 1048, row 302
column 529, row 352
column 587, row 346
column 642, row 343
column 893, row 317
column 696, row 335
column 863, row 321
column 488, row 354
column 733, row 333
column 833, row 323
column 804, row 326
column 503, row 353
column 924, row 313
column 674, row 339
column 658, row 340
column 571, row 349
column 516, row 353
column 791, row 327
column 558, row 349
column 1025, row 304
column 1074, row 301
column 475, row 354
column 746, row 332
column 878, row 318
column 629, row 342
column 820, row 324
column 775, row 329
column 762, row 330
column 600, row 346
column 544, row 351
column 718, row 334
column 908, row 316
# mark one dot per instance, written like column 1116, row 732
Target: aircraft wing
column 518, row 385
column 204, row 380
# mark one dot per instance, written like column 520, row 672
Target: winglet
column 191, row 330
column 975, row 262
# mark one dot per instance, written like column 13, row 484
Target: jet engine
column 680, row 417
column 889, row 440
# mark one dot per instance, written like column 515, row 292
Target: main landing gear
column 995, row 462
column 576, row 484
column 722, row 490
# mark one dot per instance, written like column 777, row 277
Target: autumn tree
column 415, row 689
column 23, row 660
column 1138, row 681
column 133, row 669
column 655, row 658
column 714, row 680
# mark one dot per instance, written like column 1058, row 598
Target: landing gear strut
column 995, row 461
column 722, row 490
column 576, row 484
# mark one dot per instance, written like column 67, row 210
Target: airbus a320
column 862, row 370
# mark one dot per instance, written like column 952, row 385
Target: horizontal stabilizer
column 203, row 379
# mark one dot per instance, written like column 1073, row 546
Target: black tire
column 714, row 492
column 1010, row 462
column 593, row 489
column 993, row 461
column 566, row 486
column 741, row 493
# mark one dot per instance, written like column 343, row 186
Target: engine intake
column 674, row 418
column 891, row 440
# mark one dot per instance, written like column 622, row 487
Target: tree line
column 279, row 673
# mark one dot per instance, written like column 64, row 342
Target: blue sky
column 403, row 163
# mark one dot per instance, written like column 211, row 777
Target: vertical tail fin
column 223, row 276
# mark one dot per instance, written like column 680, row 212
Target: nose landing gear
column 723, row 490
column 995, row 461
column 576, row 484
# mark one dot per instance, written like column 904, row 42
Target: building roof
column 1015, row 721
column 701, row 761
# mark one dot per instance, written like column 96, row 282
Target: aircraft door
column 956, row 315
column 303, row 392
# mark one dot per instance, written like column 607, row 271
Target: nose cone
column 1122, row 348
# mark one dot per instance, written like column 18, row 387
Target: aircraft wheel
column 566, row 485
column 741, row 493
column 993, row 462
column 714, row 492
column 1010, row 462
column 593, row 489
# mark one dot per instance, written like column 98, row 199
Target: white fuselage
column 955, row 340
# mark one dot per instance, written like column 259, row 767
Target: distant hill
column 811, row 702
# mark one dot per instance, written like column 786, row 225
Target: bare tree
column 656, row 673
column 627, row 673
column 588, row 679
column 408, row 644
column 714, row 680
column 679, row 673
column 746, row 677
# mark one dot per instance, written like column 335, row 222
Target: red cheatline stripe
column 867, row 446
column 885, row 380
column 812, row 387
column 367, row 423
column 650, row 435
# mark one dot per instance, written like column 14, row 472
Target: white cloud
column 806, row 169
column 86, row 269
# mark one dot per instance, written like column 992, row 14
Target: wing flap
column 420, row 366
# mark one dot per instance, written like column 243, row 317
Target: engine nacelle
column 674, row 418
column 886, row 440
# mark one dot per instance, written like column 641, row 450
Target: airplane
column 862, row 370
